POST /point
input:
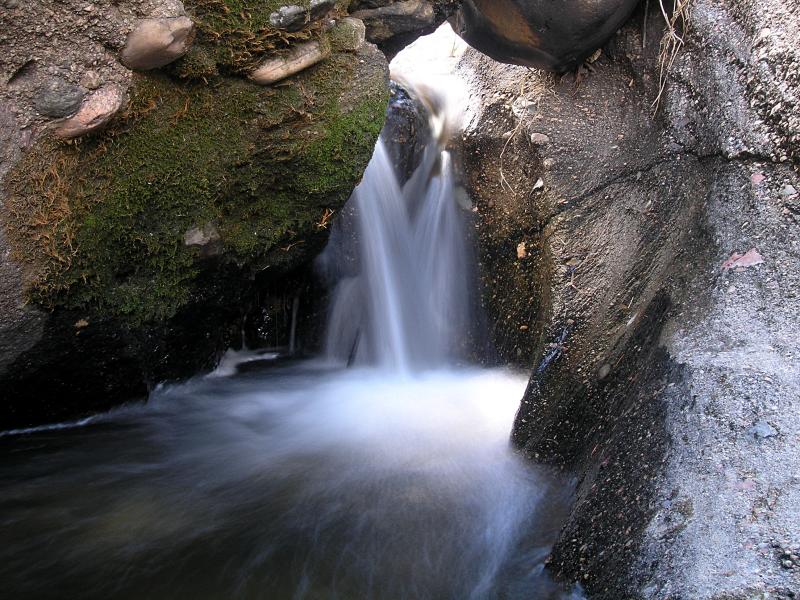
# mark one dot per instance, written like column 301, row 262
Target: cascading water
column 390, row 479
column 409, row 304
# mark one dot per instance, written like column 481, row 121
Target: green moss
column 239, row 32
column 100, row 224
column 198, row 63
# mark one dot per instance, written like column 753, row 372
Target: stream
column 381, row 469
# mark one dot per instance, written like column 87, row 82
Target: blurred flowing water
column 390, row 479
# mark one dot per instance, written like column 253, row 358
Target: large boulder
column 134, row 253
column 543, row 34
column 622, row 246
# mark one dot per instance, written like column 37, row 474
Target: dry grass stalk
column 672, row 42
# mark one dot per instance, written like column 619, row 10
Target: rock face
column 190, row 205
column 667, row 384
column 543, row 34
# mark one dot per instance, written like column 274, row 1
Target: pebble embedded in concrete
column 540, row 139
column 762, row 430
column 58, row 98
column 154, row 43
column 91, row 80
column 94, row 113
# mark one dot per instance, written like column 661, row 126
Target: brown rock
column 154, row 43
column 95, row 112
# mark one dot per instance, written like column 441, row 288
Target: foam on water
column 299, row 483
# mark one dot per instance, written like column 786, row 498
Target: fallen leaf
column 521, row 251
column 81, row 323
column 748, row 259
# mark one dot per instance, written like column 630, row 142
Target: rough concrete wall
column 604, row 226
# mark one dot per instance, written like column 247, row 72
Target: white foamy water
column 300, row 482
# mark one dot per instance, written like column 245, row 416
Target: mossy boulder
column 101, row 224
column 145, row 248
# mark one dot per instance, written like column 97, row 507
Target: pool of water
column 295, row 481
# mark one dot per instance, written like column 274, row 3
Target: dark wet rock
column 548, row 35
column 393, row 24
column 407, row 131
column 58, row 98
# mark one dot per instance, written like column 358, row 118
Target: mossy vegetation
column 100, row 223
column 238, row 33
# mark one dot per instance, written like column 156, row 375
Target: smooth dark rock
column 549, row 35
column 58, row 98
column 406, row 131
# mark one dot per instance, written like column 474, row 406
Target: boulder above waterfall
column 543, row 34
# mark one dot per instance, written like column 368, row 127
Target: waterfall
column 407, row 305
column 300, row 479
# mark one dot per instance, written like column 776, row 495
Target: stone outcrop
column 185, row 198
column 393, row 24
column 603, row 252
